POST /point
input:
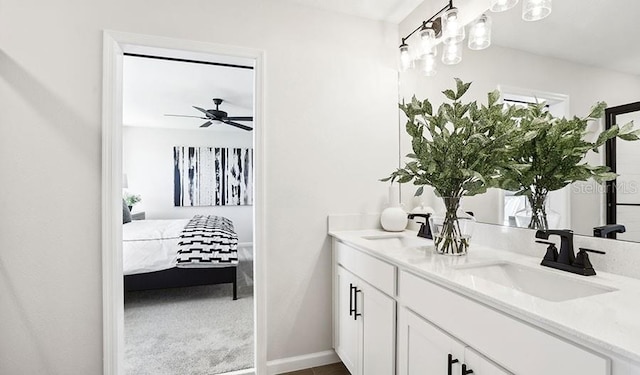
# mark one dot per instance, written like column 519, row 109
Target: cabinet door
column 378, row 333
column 424, row 349
column 347, row 329
column 480, row 365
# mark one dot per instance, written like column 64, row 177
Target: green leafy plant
column 552, row 155
column 131, row 199
column 459, row 150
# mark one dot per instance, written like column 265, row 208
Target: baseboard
column 301, row 362
column 250, row 371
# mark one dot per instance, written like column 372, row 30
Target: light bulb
column 480, row 33
column 452, row 53
column 406, row 61
column 452, row 30
column 534, row 10
column 502, row 5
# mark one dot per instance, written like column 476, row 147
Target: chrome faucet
column 566, row 259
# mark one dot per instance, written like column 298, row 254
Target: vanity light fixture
column 452, row 29
column 428, row 41
column 429, row 65
column 406, row 61
column 480, row 33
column 502, row 5
column 445, row 26
column 534, row 10
column 452, row 53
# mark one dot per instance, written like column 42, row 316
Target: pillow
column 126, row 214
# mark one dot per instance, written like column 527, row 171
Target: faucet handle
column 552, row 251
column 582, row 261
column 592, row 251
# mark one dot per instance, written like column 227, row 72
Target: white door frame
column 115, row 45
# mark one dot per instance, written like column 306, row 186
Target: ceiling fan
column 217, row 115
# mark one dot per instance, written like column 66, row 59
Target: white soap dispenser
column 393, row 218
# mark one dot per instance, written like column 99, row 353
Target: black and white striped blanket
column 208, row 241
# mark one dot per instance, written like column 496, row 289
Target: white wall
column 331, row 131
column 497, row 66
column 148, row 163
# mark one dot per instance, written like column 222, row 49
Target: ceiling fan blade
column 240, row 118
column 243, row 127
column 201, row 110
column 204, row 118
column 206, row 124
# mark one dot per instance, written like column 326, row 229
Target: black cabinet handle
column 351, row 309
column 450, row 361
column 356, row 314
column 465, row 371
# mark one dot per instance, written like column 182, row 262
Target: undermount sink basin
column 535, row 282
column 396, row 241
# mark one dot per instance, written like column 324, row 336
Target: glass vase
column 536, row 214
column 452, row 228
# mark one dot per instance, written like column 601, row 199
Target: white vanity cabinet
column 364, row 315
column 437, row 330
column 516, row 346
column 424, row 349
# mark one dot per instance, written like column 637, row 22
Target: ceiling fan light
column 452, row 28
column 534, row 10
column 502, row 5
column 480, row 33
column 452, row 53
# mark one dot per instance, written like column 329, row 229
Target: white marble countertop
column 608, row 322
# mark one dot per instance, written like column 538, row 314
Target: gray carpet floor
column 197, row 330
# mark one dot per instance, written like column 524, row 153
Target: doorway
column 116, row 45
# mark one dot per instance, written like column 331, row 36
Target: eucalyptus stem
column 537, row 200
column 450, row 239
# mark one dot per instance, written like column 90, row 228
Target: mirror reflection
column 571, row 66
column 623, row 193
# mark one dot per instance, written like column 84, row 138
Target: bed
column 160, row 254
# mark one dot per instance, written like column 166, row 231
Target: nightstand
column 137, row 215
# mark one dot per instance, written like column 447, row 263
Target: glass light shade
column 429, row 65
column 428, row 41
column 406, row 61
column 502, row 5
column 534, row 10
column 480, row 33
column 452, row 28
column 452, row 53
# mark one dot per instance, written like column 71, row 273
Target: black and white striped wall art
column 212, row 176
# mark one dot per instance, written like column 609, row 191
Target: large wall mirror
column 571, row 61
column 623, row 194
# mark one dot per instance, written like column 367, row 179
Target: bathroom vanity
column 399, row 308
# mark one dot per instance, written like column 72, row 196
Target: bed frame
column 182, row 277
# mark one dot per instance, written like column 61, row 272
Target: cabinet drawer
column 372, row 270
column 515, row 345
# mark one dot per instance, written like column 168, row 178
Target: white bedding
column 150, row 245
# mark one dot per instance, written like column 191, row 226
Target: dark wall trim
column 610, row 157
column 188, row 61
